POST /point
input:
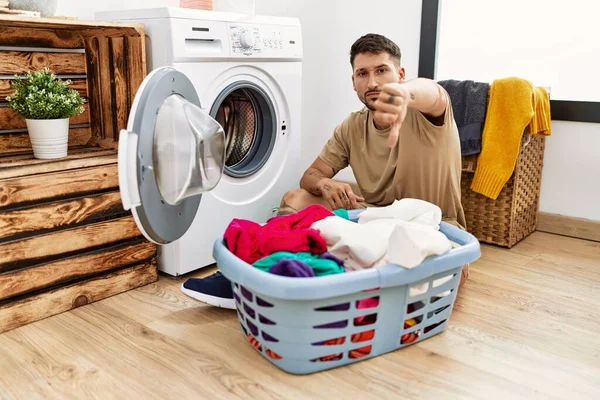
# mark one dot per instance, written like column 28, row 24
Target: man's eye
column 382, row 70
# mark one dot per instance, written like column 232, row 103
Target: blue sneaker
column 215, row 290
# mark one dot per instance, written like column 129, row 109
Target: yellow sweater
column 514, row 104
column 541, row 122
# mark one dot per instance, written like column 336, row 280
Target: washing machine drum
column 247, row 116
column 171, row 152
column 237, row 115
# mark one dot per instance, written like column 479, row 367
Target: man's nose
column 372, row 83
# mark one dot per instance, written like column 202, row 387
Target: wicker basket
column 514, row 214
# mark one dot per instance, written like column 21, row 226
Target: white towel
column 410, row 243
column 410, row 210
column 359, row 246
column 381, row 241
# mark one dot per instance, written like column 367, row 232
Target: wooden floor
column 526, row 325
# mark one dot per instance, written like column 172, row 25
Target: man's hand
column 391, row 107
column 339, row 195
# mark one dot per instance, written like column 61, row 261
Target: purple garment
column 299, row 269
column 329, row 256
column 292, row 268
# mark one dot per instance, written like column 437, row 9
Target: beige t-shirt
column 425, row 164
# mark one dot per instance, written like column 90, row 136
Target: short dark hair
column 376, row 44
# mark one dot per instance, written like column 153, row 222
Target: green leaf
column 40, row 95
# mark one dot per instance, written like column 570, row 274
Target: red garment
column 251, row 241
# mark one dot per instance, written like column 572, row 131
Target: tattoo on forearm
column 412, row 96
column 327, row 187
column 315, row 191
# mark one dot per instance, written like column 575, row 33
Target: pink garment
column 251, row 241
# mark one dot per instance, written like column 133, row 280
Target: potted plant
column 46, row 103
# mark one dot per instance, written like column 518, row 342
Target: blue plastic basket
column 305, row 325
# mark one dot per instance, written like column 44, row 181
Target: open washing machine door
column 170, row 153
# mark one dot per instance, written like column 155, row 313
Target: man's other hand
column 339, row 194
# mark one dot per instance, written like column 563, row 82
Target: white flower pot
column 49, row 137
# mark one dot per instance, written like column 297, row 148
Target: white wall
column 329, row 28
column 85, row 10
column 558, row 48
column 571, row 174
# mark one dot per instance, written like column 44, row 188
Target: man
column 403, row 144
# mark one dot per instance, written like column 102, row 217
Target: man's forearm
column 425, row 96
column 311, row 181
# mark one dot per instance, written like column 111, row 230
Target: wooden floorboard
column 525, row 326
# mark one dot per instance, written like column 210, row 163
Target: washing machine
column 242, row 72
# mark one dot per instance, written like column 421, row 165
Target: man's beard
column 366, row 99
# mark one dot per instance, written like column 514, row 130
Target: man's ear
column 401, row 74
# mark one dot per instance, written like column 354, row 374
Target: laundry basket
column 305, row 325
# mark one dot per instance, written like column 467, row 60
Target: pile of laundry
column 317, row 242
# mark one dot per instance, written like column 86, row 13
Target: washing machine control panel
column 260, row 41
column 244, row 39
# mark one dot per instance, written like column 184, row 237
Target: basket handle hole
column 417, row 290
column 272, row 354
column 331, row 342
column 333, row 325
column 409, row 323
column 360, row 353
column 249, row 310
column 269, row 338
column 363, row 336
column 247, row 294
column 336, row 307
column 440, row 281
column 265, row 320
column 432, row 327
column 408, row 338
column 263, row 303
column 436, row 312
column 365, row 320
column 369, row 302
column 254, row 342
column 440, row 296
column 330, row 357
column 252, row 327
column 412, row 307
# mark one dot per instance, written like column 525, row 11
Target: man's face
column 371, row 72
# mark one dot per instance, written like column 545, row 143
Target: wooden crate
column 65, row 239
